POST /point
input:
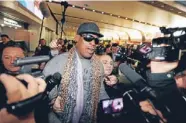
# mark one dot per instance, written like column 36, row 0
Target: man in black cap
column 76, row 98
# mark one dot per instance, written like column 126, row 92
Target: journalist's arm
column 16, row 91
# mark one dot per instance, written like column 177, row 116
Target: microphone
column 23, row 107
column 31, row 60
column 140, row 84
column 52, row 81
column 44, row 9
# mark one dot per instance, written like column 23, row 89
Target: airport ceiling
column 118, row 19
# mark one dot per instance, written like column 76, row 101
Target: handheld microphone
column 23, row 107
column 52, row 81
column 140, row 84
column 31, row 60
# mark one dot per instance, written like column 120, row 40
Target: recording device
column 45, row 12
column 31, row 60
column 128, row 106
column 140, row 84
column 112, row 106
column 24, row 107
column 121, row 55
column 44, row 9
column 169, row 47
column 100, row 50
column 169, row 102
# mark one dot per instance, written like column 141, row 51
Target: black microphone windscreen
column 57, row 76
column 44, row 9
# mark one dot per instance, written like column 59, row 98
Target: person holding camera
column 169, row 100
column 16, row 91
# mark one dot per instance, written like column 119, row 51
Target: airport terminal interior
column 92, row 61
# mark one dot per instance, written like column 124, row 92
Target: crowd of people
column 87, row 79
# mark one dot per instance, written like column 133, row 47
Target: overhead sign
column 10, row 22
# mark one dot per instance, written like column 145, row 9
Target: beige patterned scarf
column 69, row 86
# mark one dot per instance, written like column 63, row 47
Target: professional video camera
column 169, row 47
column 23, row 107
column 100, row 50
column 121, row 54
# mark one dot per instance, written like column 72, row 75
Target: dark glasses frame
column 88, row 38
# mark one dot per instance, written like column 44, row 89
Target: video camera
column 169, row 47
column 121, row 54
column 100, row 50
column 23, row 107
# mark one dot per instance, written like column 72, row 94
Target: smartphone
column 112, row 106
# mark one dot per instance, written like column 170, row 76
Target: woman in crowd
column 110, row 80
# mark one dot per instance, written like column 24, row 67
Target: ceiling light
column 102, row 12
column 93, row 10
column 73, row 6
column 118, row 16
column 126, row 18
column 110, row 14
column 2, row 25
column 83, row 8
column 15, row 27
column 179, row 12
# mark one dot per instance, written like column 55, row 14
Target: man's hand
column 162, row 66
column 111, row 80
column 147, row 107
column 181, row 80
column 16, row 91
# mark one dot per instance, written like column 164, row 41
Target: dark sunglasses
column 89, row 38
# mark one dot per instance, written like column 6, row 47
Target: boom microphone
column 137, row 80
column 44, row 9
column 31, row 60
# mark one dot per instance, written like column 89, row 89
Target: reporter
column 169, row 100
column 16, row 91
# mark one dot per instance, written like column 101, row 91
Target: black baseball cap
column 89, row 27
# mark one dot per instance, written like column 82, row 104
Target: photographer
column 16, row 91
column 161, row 79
